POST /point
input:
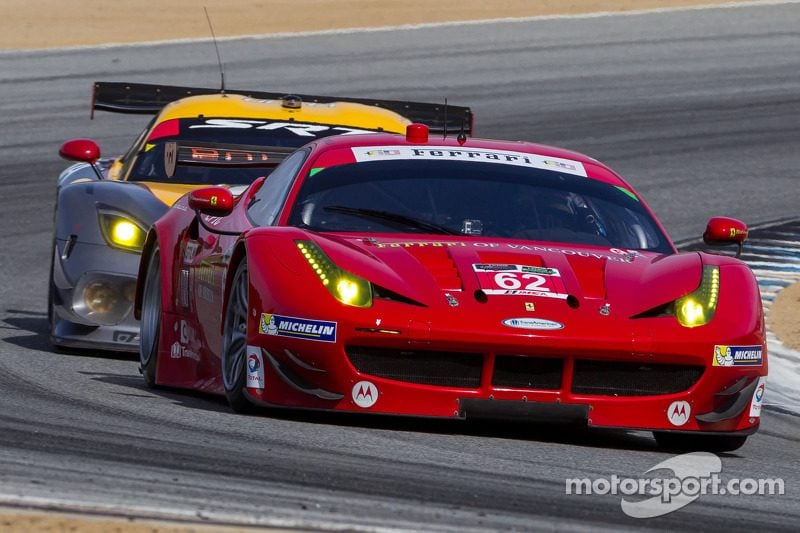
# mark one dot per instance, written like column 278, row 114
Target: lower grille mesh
column 445, row 369
column 632, row 379
column 464, row 369
column 524, row 372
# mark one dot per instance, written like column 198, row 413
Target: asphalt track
column 698, row 109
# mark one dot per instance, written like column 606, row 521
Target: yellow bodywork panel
column 169, row 192
column 237, row 106
column 114, row 170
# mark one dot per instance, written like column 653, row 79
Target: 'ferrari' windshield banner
column 448, row 153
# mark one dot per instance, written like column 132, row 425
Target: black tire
column 150, row 332
column 51, row 309
column 234, row 342
column 696, row 443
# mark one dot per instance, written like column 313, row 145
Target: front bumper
column 92, row 297
column 607, row 385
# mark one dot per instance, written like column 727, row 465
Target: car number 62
column 511, row 281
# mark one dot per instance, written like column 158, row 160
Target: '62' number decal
column 520, row 280
column 512, row 281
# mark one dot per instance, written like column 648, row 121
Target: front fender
column 82, row 172
column 78, row 206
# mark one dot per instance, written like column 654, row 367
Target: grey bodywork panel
column 81, row 256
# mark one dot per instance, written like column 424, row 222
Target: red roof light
column 417, row 133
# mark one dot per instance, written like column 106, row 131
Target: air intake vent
column 438, row 262
column 444, row 369
column 524, row 372
column 632, row 379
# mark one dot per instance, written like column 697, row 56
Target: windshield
column 152, row 162
column 473, row 198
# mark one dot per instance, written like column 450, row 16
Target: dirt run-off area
column 27, row 24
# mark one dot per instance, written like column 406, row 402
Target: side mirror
column 724, row 230
column 82, row 150
column 212, row 201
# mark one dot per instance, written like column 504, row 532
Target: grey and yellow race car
column 198, row 137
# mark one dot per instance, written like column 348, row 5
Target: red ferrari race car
column 453, row 277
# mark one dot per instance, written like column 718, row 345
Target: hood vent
column 591, row 274
column 438, row 262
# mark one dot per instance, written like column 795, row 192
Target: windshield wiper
column 392, row 217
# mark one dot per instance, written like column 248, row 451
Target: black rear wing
column 145, row 98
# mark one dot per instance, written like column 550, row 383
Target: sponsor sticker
column 179, row 351
column 299, row 129
column 678, row 413
column 255, row 368
column 298, row 328
column 365, row 394
column 449, row 153
column 758, row 397
column 737, row 355
column 189, row 252
column 507, row 245
column 382, row 153
column 125, row 336
column 183, row 289
column 532, row 323
column 188, row 334
column 493, row 267
column 520, row 280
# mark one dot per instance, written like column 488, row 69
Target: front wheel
column 150, row 331
column 234, row 342
column 706, row 443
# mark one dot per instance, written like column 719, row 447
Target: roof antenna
column 216, row 47
column 445, row 118
column 462, row 135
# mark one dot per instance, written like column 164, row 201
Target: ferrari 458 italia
column 453, row 277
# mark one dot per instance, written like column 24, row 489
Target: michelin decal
column 298, row 328
column 737, row 355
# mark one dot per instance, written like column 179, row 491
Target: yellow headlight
column 352, row 290
column 692, row 313
column 122, row 232
column 697, row 308
column 344, row 286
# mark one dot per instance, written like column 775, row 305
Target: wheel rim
column 235, row 344
column 151, row 310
